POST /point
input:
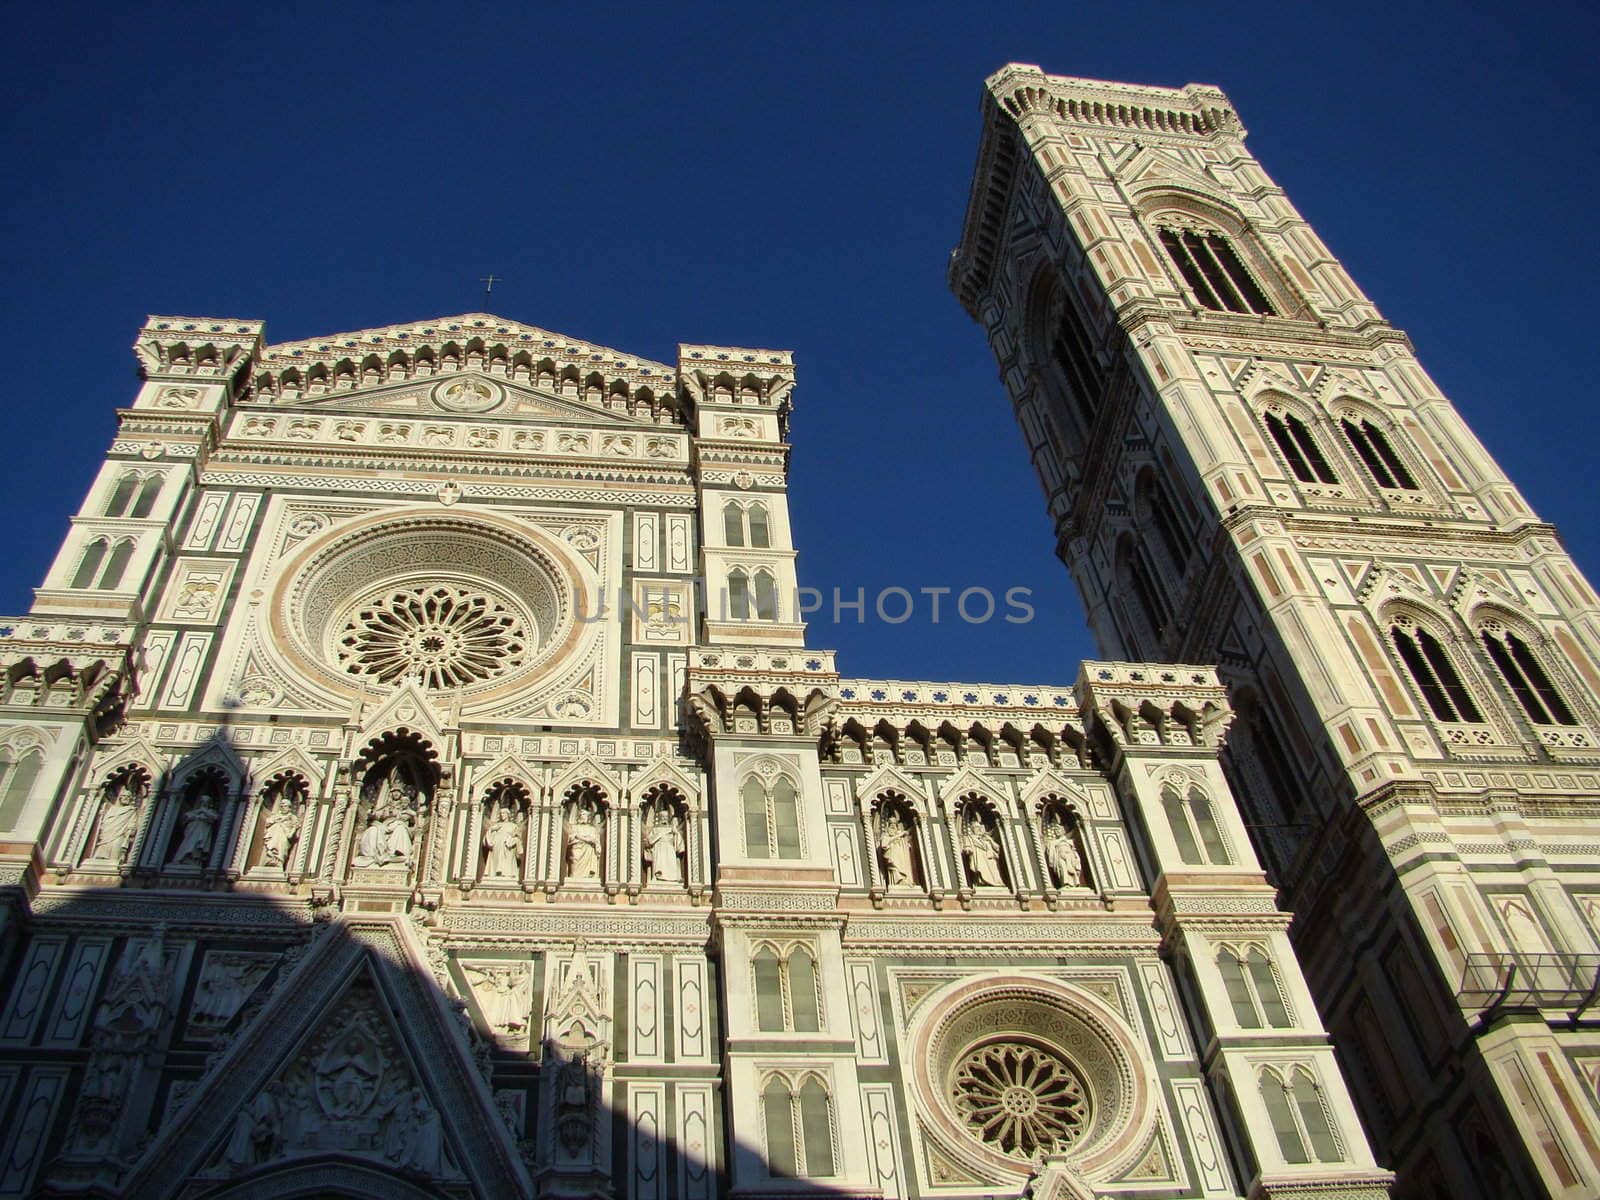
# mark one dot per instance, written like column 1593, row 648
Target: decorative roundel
column 451, row 602
column 468, row 394
column 444, row 635
column 1023, row 1098
column 1011, row 1068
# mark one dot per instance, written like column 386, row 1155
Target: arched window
column 760, row 534
column 816, row 1128
column 145, row 504
column 799, row 1128
column 803, row 1001
column 1299, row 1118
column 1194, row 827
column 1372, row 448
column 771, row 810
column 1252, row 989
column 1164, row 518
column 1525, row 675
column 766, row 597
column 122, row 494
column 89, row 565
column 1212, row 269
column 116, row 564
column 787, row 999
column 786, row 817
column 1433, row 672
column 746, row 524
column 757, row 839
column 733, row 523
column 738, row 595
column 1134, row 574
column 767, row 970
column 1284, row 1126
column 1313, row 1117
column 16, row 785
column 1299, row 448
column 1065, row 350
column 777, row 1111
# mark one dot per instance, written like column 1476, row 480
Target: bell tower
column 1246, row 465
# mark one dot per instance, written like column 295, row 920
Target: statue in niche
column 583, row 841
column 503, row 841
column 982, row 850
column 389, row 837
column 1061, row 852
column 895, row 839
column 281, row 826
column 119, row 819
column 199, row 830
column 574, row 1119
column 663, row 844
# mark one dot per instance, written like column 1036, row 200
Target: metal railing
column 1512, row 979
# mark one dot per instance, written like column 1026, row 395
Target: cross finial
column 489, row 281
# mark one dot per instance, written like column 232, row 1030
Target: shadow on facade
column 163, row 1044
column 174, row 1022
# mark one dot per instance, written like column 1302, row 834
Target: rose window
column 446, row 636
column 1020, row 1098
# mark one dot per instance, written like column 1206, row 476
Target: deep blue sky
column 645, row 175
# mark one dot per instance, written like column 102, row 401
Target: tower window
column 1194, row 827
column 1373, row 448
column 1525, row 676
column 103, row 564
column 787, row 999
column 1164, row 519
column 1434, row 673
column 1252, row 989
column 771, row 813
column 1211, row 267
column 799, row 1128
column 746, row 524
column 1299, row 449
column 1298, row 1118
column 1134, row 573
column 1071, row 350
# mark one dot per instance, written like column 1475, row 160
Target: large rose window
column 1021, row 1098
column 444, row 635
column 1008, row 1069
column 454, row 603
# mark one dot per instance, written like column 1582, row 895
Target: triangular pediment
column 351, row 1065
column 475, row 365
column 1155, row 168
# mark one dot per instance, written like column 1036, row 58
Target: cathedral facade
column 1247, row 466
column 417, row 783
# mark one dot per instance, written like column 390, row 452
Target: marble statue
column 503, row 841
column 983, row 853
column 663, row 846
column 1062, row 855
column 282, row 828
column 583, row 842
column 894, row 847
column 119, row 820
column 199, row 829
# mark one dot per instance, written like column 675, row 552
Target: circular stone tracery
column 1021, row 1098
column 442, row 635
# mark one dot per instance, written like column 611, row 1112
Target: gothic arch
column 1163, row 205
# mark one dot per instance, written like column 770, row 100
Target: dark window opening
column 1299, row 449
column 1373, row 448
column 1435, row 675
column 1526, row 678
column 1212, row 269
